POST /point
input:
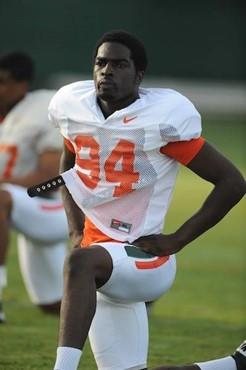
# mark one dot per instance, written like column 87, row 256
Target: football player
column 30, row 151
column 123, row 147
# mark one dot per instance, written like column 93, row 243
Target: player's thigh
column 137, row 276
column 37, row 218
column 119, row 334
column 41, row 267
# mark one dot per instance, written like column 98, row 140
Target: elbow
column 242, row 189
column 238, row 186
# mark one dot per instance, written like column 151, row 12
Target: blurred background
column 195, row 47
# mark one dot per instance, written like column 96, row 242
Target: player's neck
column 109, row 107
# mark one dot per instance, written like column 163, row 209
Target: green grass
column 203, row 316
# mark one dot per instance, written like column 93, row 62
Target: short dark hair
column 19, row 64
column 138, row 51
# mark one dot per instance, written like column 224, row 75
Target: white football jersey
column 121, row 181
column 26, row 133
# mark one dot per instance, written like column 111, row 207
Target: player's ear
column 139, row 77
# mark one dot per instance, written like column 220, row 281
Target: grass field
column 203, row 316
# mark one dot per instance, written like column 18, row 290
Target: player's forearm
column 221, row 200
column 75, row 218
column 223, row 197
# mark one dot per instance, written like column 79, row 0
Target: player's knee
column 51, row 309
column 78, row 261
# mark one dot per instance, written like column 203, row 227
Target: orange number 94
column 123, row 153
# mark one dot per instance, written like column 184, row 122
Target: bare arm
column 48, row 167
column 74, row 214
column 229, row 188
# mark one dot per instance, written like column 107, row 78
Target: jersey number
column 12, row 152
column 122, row 153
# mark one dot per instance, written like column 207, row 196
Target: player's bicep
column 211, row 165
column 67, row 158
column 49, row 162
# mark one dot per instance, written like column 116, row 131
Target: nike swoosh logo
column 127, row 120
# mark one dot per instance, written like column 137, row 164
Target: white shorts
column 137, row 276
column 119, row 331
column 37, row 218
column 42, row 230
column 42, row 269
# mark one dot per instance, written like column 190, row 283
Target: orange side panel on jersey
column 93, row 235
column 183, row 151
column 152, row 264
column 69, row 145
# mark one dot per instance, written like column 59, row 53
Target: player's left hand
column 159, row 245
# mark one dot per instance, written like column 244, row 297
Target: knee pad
column 119, row 335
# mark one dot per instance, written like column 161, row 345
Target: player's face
column 115, row 76
column 11, row 91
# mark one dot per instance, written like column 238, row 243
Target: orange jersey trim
column 93, row 235
column 183, row 151
column 69, row 145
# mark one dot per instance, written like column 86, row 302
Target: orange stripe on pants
column 152, row 264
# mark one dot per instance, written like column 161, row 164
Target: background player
column 123, row 145
column 30, row 151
